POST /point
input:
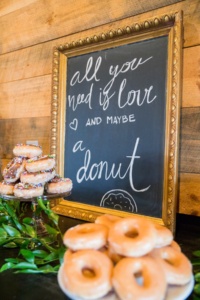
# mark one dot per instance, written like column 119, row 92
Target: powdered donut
column 129, row 271
column 177, row 267
column 87, row 274
column 37, row 177
column 164, row 236
column 27, row 150
column 58, row 185
column 14, row 169
column 6, row 188
column 107, row 220
column 26, row 190
column 132, row 236
column 86, row 236
column 41, row 163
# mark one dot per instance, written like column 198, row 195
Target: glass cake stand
column 37, row 217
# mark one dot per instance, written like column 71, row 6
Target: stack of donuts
column 30, row 173
column 122, row 258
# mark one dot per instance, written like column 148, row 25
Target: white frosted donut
column 87, row 274
column 86, row 236
column 26, row 190
column 37, row 177
column 41, row 163
column 6, row 188
column 58, row 185
column 107, row 220
column 164, row 236
column 176, row 265
column 132, row 236
column 27, row 150
column 139, row 278
column 14, row 169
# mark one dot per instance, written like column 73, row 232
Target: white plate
column 173, row 292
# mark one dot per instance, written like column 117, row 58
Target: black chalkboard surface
column 115, row 126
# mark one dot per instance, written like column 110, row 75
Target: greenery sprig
column 196, row 265
column 37, row 254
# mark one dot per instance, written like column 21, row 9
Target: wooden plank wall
column 29, row 31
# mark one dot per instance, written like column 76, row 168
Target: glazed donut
column 37, row 177
column 87, row 274
column 26, row 190
column 177, row 267
column 27, row 150
column 175, row 245
column 164, row 236
column 132, row 236
column 6, row 188
column 107, row 220
column 14, row 169
column 86, row 236
column 130, row 272
column 40, row 163
column 59, row 185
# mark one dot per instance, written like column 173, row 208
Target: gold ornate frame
column 170, row 25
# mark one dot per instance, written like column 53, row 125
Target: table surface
column 45, row 286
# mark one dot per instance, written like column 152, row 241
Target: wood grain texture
column 26, row 98
column 50, row 21
column 191, row 77
column 189, row 194
column 14, row 131
column 190, row 140
column 25, row 63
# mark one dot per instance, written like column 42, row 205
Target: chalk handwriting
column 102, row 170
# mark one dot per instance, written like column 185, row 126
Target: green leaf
column 52, row 256
column 28, row 255
column 4, row 219
column 28, row 221
column 30, row 230
column 197, row 289
column 25, row 265
column 10, row 245
column 196, row 253
column 40, row 253
column 6, row 266
column 11, row 231
column 197, row 277
column 13, row 260
column 51, row 230
column 3, row 233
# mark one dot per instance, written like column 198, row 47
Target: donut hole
column 133, row 233
column 88, row 272
column 139, row 277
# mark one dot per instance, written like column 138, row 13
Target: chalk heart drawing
column 120, row 200
column 74, row 124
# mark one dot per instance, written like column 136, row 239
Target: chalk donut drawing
column 120, row 200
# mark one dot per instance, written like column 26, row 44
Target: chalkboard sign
column 117, row 125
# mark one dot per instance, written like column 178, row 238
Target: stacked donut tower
column 30, row 174
column 128, row 258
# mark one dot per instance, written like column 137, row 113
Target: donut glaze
column 132, row 236
column 27, row 150
column 86, row 236
column 176, row 265
column 58, row 185
column 37, row 177
column 164, row 236
column 129, row 271
column 107, row 220
column 87, row 274
column 14, row 169
column 6, row 188
column 26, row 190
column 41, row 163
